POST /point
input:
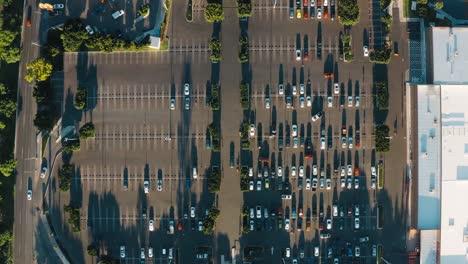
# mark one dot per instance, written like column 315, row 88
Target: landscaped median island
column 244, row 180
column 346, row 40
column 244, row 94
column 381, row 95
column 214, row 180
column 214, row 98
column 162, row 32
column 214, row 11
column 215, row 46
column 382, row 140
column 244, row 8
column 64, row 177
column 215, row 137
column 381, row 179
column 73, row 217
column 244, row 136
column 209, row 222
column 244, row 49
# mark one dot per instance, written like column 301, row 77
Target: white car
column 309, row 101
column 312, row 3
column 357, row 251
column 373, row 183
column 365, row 50
column 259, row 185
column 343, row 172
column 251, row 185
column 330, row 101
column 350, row 101
column 319, row 13
column 192, row 212
column 373, row 171
column 59, row 6
column 335, row 210
column 122, row 251
column 250, row 172
column 295, row 142
column 259, row 211
column 89, row 29
column 314, row 183
column 293, row 171
column 146, row 186
column 350, row 170
column 316, row 251
column 350, row 142
column 286, row 224
column 343, row 182
column 301, row 89
column 159, row 185
column 301, row 101
column 336, row 89
column 301, row 171
column 44, row 171
column 314, row 170
column 252, row 130
column 294, row 89
column 356, row 210
column 356, row 183
column 294, row 130
column 172, row 104
column 267, row 103
column 288, row 253
column 281, row 89
column 356, row 223
column 329, row 224
column 29, row 195
column 308, row 184
column 187, row 103
column 186, row 89
column 358, row 101
column 298, row 55
column 374, row 250
column 142, row 253
column 151, row 225
column 322, row 183
column 350, row 183
column 328, row 183
column 343, row 142
column 322, row 143
column 280, row 171
column 150, row 252
column 317, row 116
column 194, row 173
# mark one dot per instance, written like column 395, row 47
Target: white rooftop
column 428, row 253
column 454, row 210
column 450, row 55
column 428, row 157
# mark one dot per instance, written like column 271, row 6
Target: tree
column 102, row 42
column 380, row 56
column 71, row 145
column 92, row 250
column 348, row 12
column 382, row 141
column 244, row 8
column 422, row 11
column 39, row 70
column 8, row 52
column 7, row 107
column 74, row 35
column 80, row 98
column 8, row 167
column 439, row 5
column 423, row 2
column 87, row 131
column 44, row 119
column 144, row 10
column 214, row 12
column 381, row 95
column 2, row 125
column 64, row 177
column 215, row 46
column 73, row 217
column 3, row 89
column 106, row 259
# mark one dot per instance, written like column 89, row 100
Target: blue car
column 291, row 12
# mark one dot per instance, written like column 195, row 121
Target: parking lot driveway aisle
column 230, row 197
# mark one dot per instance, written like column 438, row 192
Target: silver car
column 186, row 89
column 187, row 103
column 172, row 104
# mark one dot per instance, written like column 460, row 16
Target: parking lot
column 140, row 139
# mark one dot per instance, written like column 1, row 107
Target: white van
column 118, row 14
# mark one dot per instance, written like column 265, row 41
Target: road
column 26, row 228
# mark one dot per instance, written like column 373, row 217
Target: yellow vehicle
column 298, row 13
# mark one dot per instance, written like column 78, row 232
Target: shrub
column 244, row 50
column 214, row 12
column 244, row 8
column 144, row 10
column 210, row 221
column 422, row 11
column 380, row 56
column 215, row 46
column 72, row 145
column 92, row 250
column 244, row 180
column 214, row 182
column 87, row 130
column 74, row 35
column 244, row 94
column 80, row 99
column 381, row 95
column 64, row 177
column 439, row 5
column 215, row 137
column 382, row 142
column 348, row 12
column 214, row 99
column 73, row 217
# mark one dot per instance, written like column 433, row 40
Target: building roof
column 428, row 252
column 450, row 55
column 454, row 212
column 155, row 42
column 428, row 156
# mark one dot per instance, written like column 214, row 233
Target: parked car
column 336, row 88
column 159, row 185
column 317, row 116
column 146, row 186
column 280, row 89
column 330, row 101
column 172, row 104
column 44, row 170
column 309, row 101
column 365, row 50
column 356, row 223
column 298, row 54
column 59, row 6
column 187, row 103
column 350, row 101
column 122, row 251
column 89, row 29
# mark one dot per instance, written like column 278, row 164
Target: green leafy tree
column 3, row 89
column 381, row 95
column 423, row 2
column 422, row 11
column 39, row 70
column 102, row 42
column 214, row 12
column 215, row 46
column 144, row 10
column 348, row 12
column 244, row 8
column 8, row 51
column 53, row 51
column 73, row 217
column 92, row 250
column 74, row 35
column 80, row 98
column 439, row 5
column 87, row 131
column 7, row 107
column 44, row 118
column 189, row 11
column 382, row 141
column 2, row 125
column 380, row 56
column 71, row 145
column 64, row 177
column 8, row 167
